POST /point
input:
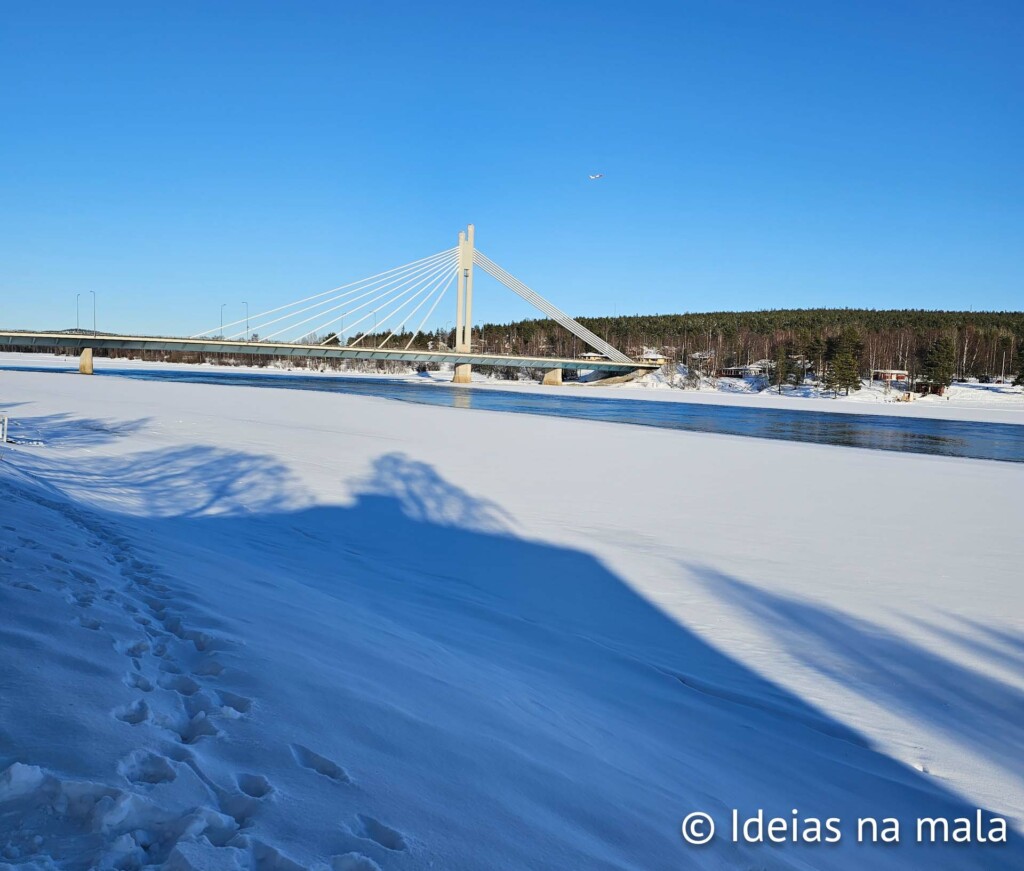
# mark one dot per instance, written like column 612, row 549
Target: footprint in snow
column 133, row 713
column 320, row 764
column 238, row 704
column 138, row 682
column 82, row 600
column 155, row 605
column 180, row 683
column 254, row 785
column 25, row 585
column 210, row 667
column 133, row 649
column 142, row 766
column 197, row 728
column 375, row 830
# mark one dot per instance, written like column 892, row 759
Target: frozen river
column 978, row 440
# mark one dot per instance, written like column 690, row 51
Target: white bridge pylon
column 393, row 300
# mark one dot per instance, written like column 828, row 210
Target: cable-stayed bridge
column 375, row 318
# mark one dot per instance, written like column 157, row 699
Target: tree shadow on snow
column 517, row 693
column 643, row 707
column 979, row 712
column 70, row 431
column 1005, row 643
column 182, row 481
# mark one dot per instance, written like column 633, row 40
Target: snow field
column 283, row 630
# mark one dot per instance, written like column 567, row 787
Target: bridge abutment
column 85, row 361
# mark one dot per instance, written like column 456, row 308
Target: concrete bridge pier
column 552, row 378
column 85, row 361
column 463, row 373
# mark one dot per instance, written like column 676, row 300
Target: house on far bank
column 890, row 376
column 592, row 355
column 747, row 370
column 651, row 356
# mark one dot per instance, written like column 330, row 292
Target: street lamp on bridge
column 246, row 320
column 222, row 319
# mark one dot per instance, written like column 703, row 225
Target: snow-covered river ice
column 954, row 438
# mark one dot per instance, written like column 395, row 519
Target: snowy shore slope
column 243, row 630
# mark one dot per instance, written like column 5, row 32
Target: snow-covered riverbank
column 251, row 631
column 993, row 403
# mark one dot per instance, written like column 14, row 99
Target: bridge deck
column 20, row 338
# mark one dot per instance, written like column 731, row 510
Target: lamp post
column 77, row 324
column 222, row 319
column 246, row 319
column 93, row 292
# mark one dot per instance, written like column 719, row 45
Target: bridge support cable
column 373, row 286
column 557, row 315
column 426, row 317
column 437, row 277
column 435, row 288
column 387, row 298
column 377, row 288
column 386, row 292
column 363, row 281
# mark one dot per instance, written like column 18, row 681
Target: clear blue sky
column 756, row 154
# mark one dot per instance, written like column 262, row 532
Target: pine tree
column 831, row 379
column 847, row 342
column 815, row 351
column 938, row 361
column 1019, row 380
column 796, row 372
column 780, row 372
column 842, row 373
column 851, row 372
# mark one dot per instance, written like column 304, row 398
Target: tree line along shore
column 979, row 343
column 837, row 346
